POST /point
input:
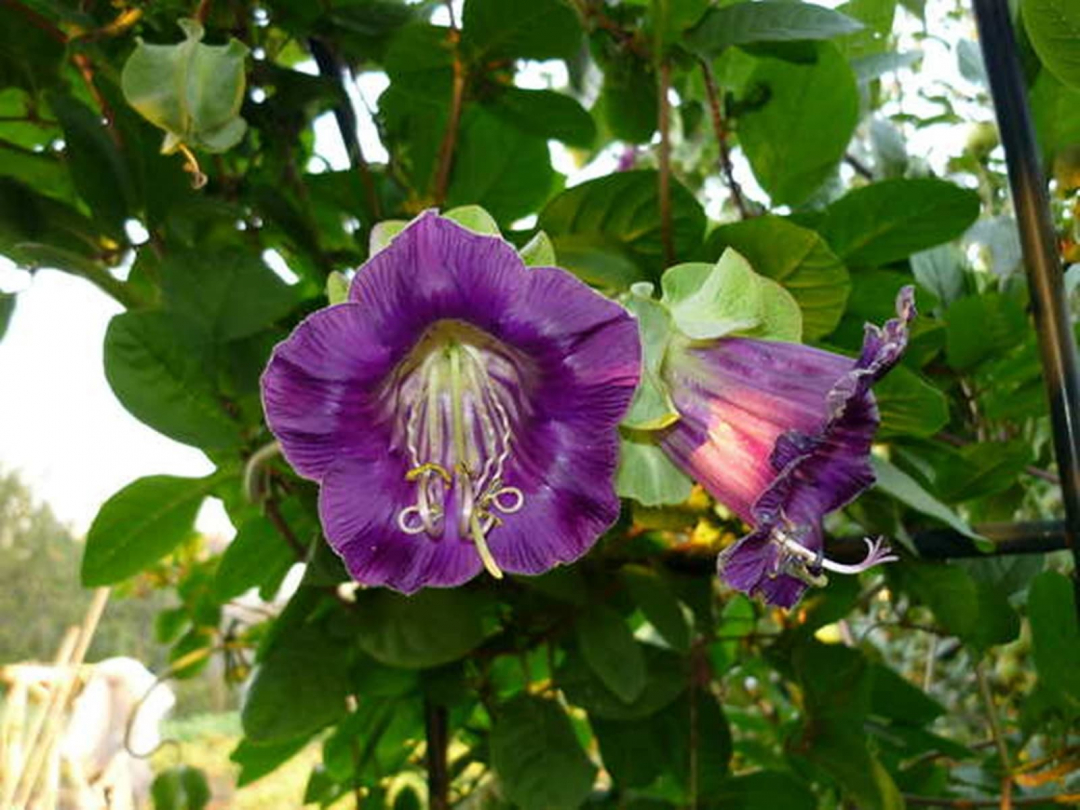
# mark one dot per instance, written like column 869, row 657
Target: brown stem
column 664, row 177
column 202, row 11
column 435, row 718
column 721, row 130
column 273, row 513
column 449, row 141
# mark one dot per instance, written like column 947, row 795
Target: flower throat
column 459, row 401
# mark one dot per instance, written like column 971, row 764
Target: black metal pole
column 1044, row 267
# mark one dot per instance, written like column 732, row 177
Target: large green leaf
column 1053, row 26
column 689, row 741
column 427, row 629
column 537, row 757
column 909, row 405
column 540, row 29
column 796, row 257
column 888, row 221
column 769, row 21
column 97, row 166
column 499, row 166
column 763, row 790
column 1055, row 108
column 666, row 677
column 298, row 688
column 608, row 230
column 1055, row 637
column 546, row 114
column 656, row 599
column 895, row 482
column 628, row 101
column 257, row 554
column 163, row 381
column 228, row 294
column 981, row 326
column 139, row 525
column 608, row 647
column 794, row 144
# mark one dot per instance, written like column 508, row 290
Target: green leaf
column 897, row 699
column 791, row 168
column 500, row 167
column 537, row 757
column 538, row 251
column 1055, row 638
column 651, row 408
column 608, row 230
column 981, row 326
column 909, row 405
column 427, row 629
column 97, row 165
column 686, row 741
column 180, row 788
column 1053, row 26
column 888, row 221
column 547, row 114
column 298, row 688
column 139, row 525
column 657, row 601
column 541, row 29
column 1055, row 109
column 940, row 270
column 228, row 294
column 256, row 761
column 609, row 648
column 895, row 482
column 769, row 21
column 257, row 554
column 948, row 590
column 763, row 790
column 982, row 469
column 191, row 90
column 163, row 382
column 648, row 476
column 666, row 678
column 628, row 99
column 797, row 258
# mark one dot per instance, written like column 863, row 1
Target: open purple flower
column 780, row 433
column 459, row 411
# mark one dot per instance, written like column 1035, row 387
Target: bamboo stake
column 60, row 698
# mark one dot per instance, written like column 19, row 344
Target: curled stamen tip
column 424, row 469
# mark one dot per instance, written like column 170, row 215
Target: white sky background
column 72, row 441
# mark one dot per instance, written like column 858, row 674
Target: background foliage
column 631, row 679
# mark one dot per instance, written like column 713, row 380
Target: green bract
column 191, row 90
column 700, row 302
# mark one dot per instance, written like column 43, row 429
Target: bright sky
column 69, row 437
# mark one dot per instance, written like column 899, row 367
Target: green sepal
column 538, row 251
column 383, row 233
column 191, row 90
column 475, row 219
column 648, row 476
column 728, row 298
column 651, row 408
column 337, row 288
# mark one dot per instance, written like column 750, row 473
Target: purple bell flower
column 780, row 433
column 459, row 410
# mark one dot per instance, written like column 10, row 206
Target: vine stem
column 721, row 130
column 453, row 122
column 664, row 177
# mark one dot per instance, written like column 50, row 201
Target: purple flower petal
column 781, row 434
column 461, row 410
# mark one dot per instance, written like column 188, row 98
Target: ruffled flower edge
column 816, row 474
